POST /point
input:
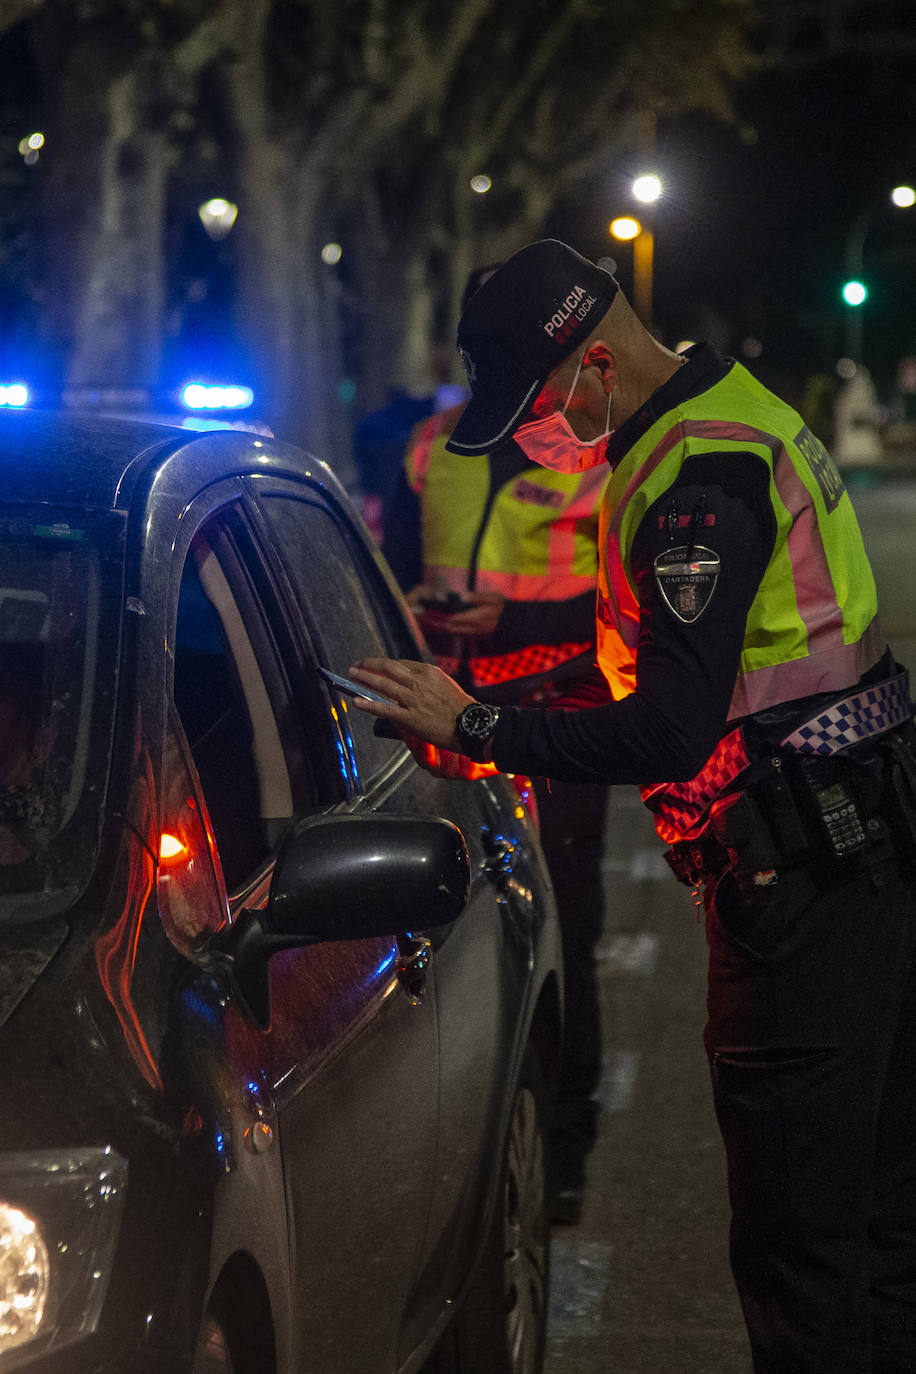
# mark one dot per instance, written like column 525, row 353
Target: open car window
column 226, row 708
column 349, row 616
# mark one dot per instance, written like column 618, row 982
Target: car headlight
column 59, row 1216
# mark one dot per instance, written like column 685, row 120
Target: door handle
column 414, row 954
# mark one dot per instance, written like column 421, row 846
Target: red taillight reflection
column 170, row 847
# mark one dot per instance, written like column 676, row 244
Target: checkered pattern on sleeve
column 523, row 663
column 863, row 714
column 682, row 808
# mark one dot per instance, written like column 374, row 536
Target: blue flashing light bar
column 14, row 394
column 208, row 396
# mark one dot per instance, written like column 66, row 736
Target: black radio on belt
column 834, row 806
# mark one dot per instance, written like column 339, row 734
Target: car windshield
column 52, row 667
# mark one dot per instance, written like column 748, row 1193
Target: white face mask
column 553, row 443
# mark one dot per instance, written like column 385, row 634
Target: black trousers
column 811, row 1039
column 572, row 817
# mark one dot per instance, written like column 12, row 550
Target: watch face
column 478, row 721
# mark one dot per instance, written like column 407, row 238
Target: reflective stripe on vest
column 539, row 541
column 812, row 626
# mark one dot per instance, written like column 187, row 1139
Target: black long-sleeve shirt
column 685, row 672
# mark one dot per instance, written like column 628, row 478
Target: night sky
column 750, row 239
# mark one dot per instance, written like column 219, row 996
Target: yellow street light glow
column 36, row 140
column 904, row 196
column 625, row 227
column 331, row 253
column 647, row 188
column 481, row 183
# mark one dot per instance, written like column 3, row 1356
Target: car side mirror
column 347, row 878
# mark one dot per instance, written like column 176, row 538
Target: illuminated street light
column 624, row 227
column 331, row 253
column 217, row 216
column 855, row 293
column 647, row 188
column 903, row 197
column 481, row 183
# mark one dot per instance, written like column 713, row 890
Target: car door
column 341, row 1068
column 480, row 963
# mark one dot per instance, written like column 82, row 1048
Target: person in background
column 507, row 602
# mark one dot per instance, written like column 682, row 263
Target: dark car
column 279, row 1010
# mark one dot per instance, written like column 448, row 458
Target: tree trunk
column 105, row 173
column 287, row 307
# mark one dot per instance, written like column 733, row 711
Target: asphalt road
column 642, row 1285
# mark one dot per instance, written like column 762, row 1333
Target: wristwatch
column 474, row 727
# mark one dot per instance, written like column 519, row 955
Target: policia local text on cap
column 758, row 708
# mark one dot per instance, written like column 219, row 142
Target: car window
column 225, row 708
column 58, row 657
column 346, row 612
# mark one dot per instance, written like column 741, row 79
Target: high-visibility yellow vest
column 533, row 539
column 813, row 624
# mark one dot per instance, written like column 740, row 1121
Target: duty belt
column 682, row 808
column 817, row 798
column 863, row 714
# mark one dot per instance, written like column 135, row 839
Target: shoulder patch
column 686, row 578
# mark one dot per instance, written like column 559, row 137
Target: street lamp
column 217, row 215
column 855, row 292
column 646, row 188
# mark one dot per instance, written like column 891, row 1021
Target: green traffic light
column 855, row 292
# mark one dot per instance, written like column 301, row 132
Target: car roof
column 95, row 462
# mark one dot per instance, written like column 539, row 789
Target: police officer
column 516, row 548
column 757, row 706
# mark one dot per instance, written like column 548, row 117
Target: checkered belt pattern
column 681, row 808
column 868, row 712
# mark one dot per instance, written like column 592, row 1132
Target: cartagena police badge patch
column 687, row 578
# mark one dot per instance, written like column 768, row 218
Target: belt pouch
column 740, row 826
column 903, row 781
column 787, row 827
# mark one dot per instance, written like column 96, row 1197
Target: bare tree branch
column 13, row 12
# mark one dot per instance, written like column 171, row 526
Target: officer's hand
column 423, row 701
column 480, row 619
column 417, row 595
column 433, row 618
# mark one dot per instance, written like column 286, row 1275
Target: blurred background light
column 36, row 140
column 14, row 394
column 846, row 368
column 209, row 396
column 751, row 347
column 904, row 196
column 217, row 216
column 481, row 183
column 855, row 292
column 625, row 227
column 647, row 187
column 331, row 253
